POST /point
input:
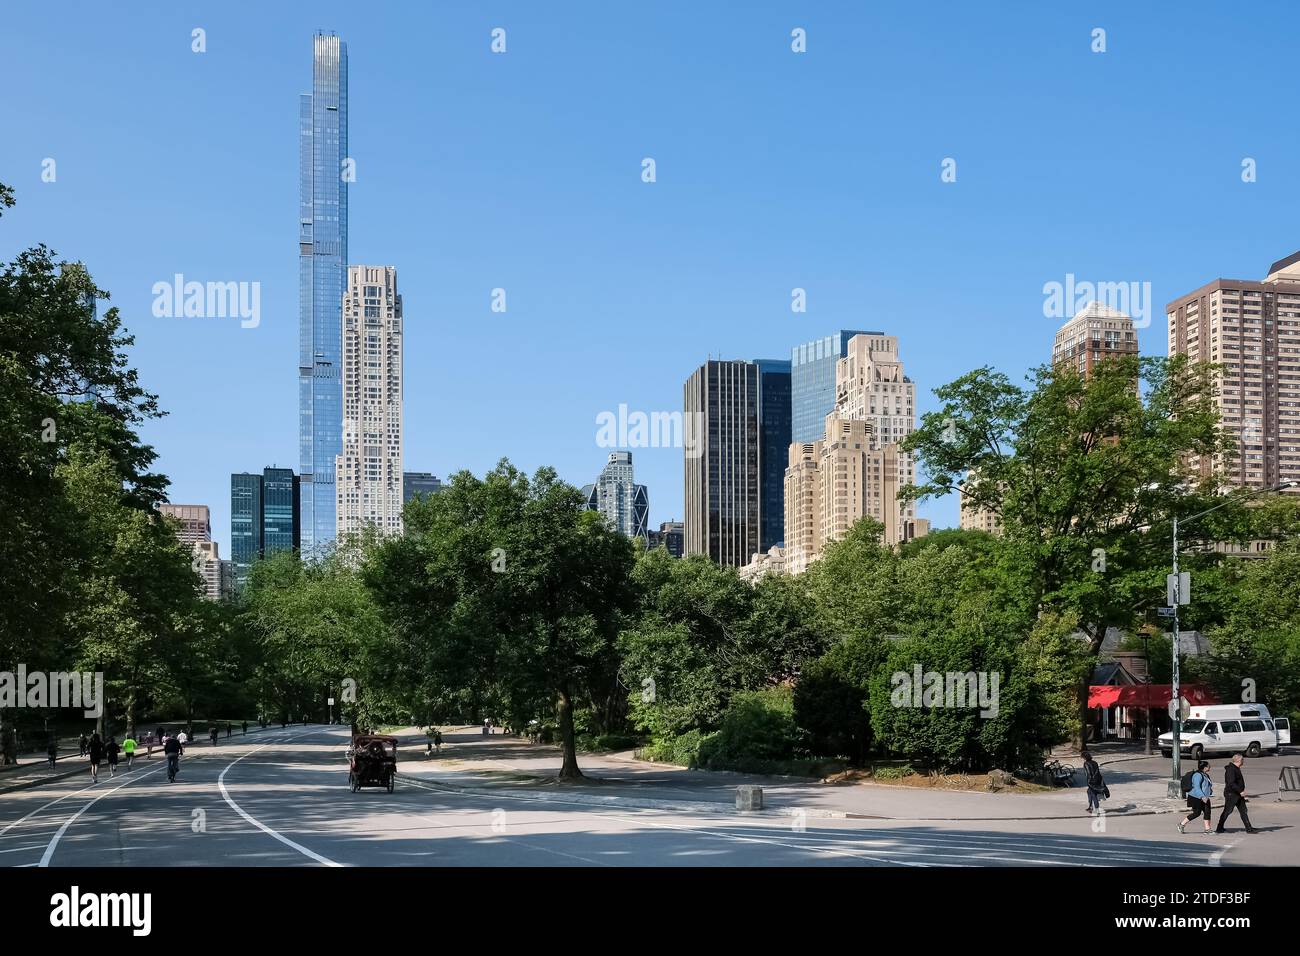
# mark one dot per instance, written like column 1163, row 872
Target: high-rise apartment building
column 264, row 517
column 734, row 487
column 368, row 476
column 973, row 518
column 323, row 177
column 1096, row 333
column 195, row 532
column 1252, row 331
column 812, row 383
column 624, row 504
column 419, row 483
column 855, row 469
column 195, row 522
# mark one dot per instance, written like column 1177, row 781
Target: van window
column 1268, row 724
column 1193, row 726
column 1250, row 713
column 1231, row 727
column 1252, row 726
column 1211, row 728
column 1283, row 723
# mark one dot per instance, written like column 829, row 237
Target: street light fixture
column 1175, row 781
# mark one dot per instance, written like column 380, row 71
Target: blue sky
column 522, row 171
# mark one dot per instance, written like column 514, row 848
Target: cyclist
column 128, row 748
column 173, row 749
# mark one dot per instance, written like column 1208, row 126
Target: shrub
column 758, row 729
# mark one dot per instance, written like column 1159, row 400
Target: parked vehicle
column 1229, row 728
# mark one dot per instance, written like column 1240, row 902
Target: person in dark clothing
column 111, row 750
column 1234, row 795
column 52, row 751
column 1096, row 782
column 84, row 743
column 173, row 749
column 245, row 726
column 96, row 751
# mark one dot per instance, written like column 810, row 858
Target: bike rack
column 1288, row 781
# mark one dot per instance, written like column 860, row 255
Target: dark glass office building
column 735, row 474
column 264, row 517
column 812, row 383
column 419, row 483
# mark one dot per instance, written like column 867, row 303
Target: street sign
column 1179, row 709
column 1182, row 593
column 1165, row 611
column 331, row 701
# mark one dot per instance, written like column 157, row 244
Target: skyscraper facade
column 419, row 483
column 1251, row 330
column 264, row 512
column 1097, row 332
column 624, row 504
column 812, row 383
column 729, row 471
column 322, row 274
column 856, row 468
column 195, row 522
column 774, row 410
column 369, row 470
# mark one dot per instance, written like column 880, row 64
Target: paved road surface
column 282, row 799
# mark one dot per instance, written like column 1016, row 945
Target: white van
column 1229, row 728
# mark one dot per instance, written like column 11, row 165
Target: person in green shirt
column 128, row 748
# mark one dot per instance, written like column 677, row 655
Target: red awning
column 1147, row 695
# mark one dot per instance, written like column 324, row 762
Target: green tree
column 1085, row 475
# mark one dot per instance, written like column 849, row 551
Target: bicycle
column 1061, row 775
column 173, row 767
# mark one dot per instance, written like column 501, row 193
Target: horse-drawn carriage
column 372, row 762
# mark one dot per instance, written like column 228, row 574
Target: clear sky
column 522, row 171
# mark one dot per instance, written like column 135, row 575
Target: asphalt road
column 283, row 800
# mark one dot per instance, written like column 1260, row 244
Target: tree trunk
column 1095, row 640
column 564, row 707
column 8, row 745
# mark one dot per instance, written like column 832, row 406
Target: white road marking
column 49, row 850
column 1216, row 858
column 221, row 784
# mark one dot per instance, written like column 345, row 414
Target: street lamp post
column 1146, row 652
column 1175, row 781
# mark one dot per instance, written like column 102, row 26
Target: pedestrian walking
column 112, row 750
column 95, row 750
column 1234, row 795
column 184, row 738
column 84, row 743
column 212, row 734
column 1199, row 788
column 128, row 748
column 1097, row 789
column 437, row 740
column 227, row 731
column 52, row 751
column 245, row 726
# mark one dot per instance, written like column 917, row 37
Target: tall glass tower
column 812, row 383
column 322, row 277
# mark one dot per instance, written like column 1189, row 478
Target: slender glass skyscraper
column 322, row 276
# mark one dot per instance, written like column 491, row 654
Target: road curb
column 684, row 806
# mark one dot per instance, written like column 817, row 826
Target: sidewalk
column 36, row 769
column 509, row 766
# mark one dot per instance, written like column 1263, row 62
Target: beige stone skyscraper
column 856, row 469
column 1252, row 330
column 368, row 474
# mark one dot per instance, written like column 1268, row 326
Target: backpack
column 1187, row 782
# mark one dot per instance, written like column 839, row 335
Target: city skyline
column 505, row 194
